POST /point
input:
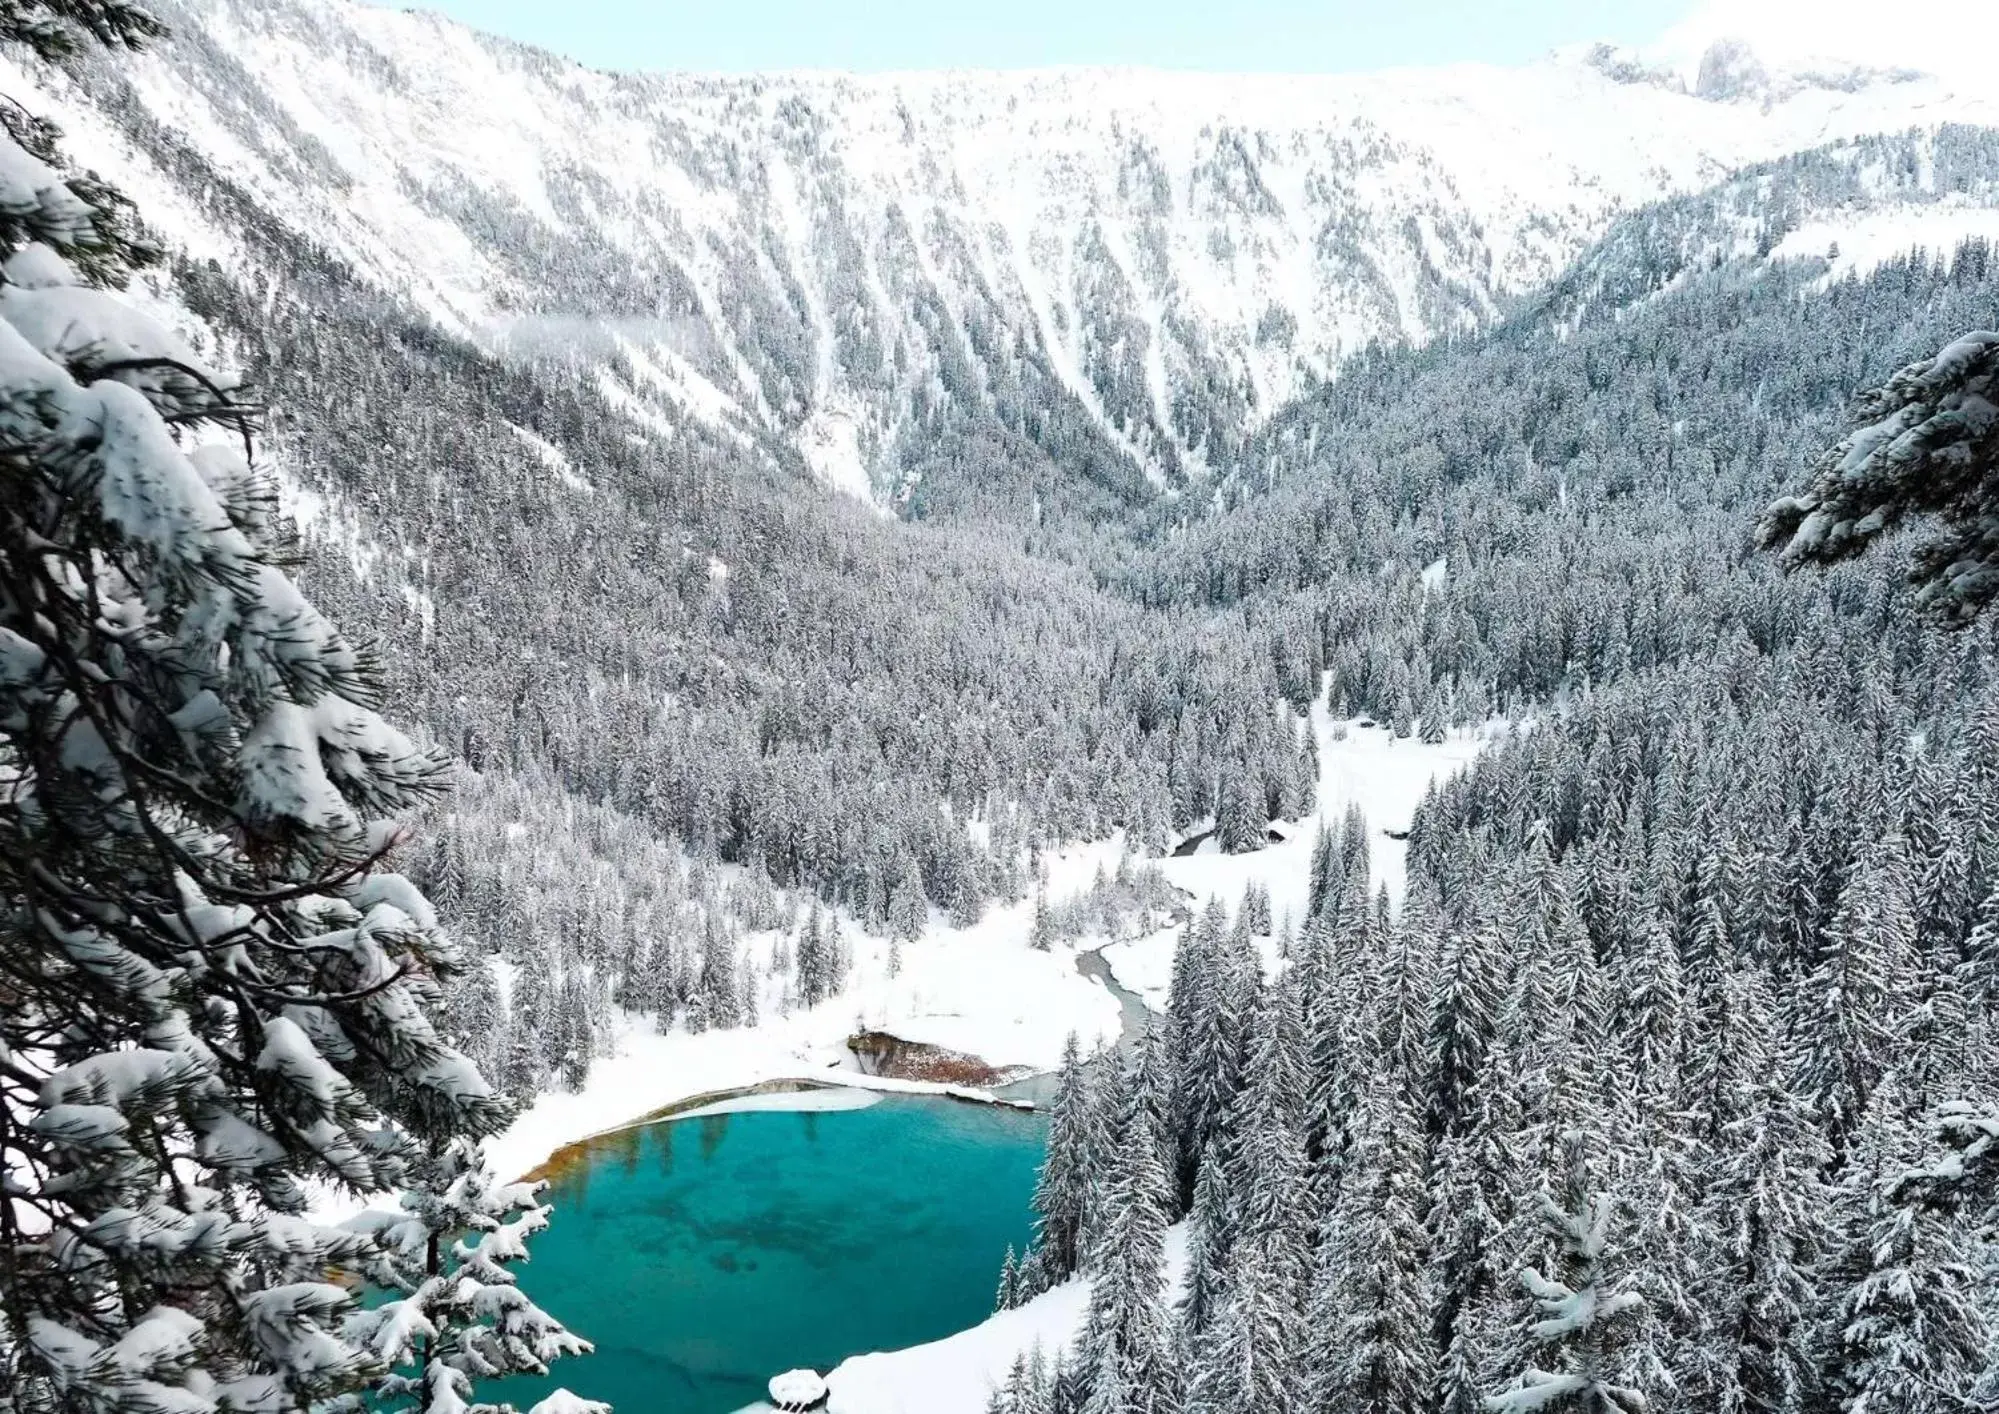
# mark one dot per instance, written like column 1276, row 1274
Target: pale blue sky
column 1303, row 36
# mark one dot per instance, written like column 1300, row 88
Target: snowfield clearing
column 982, row 990
column 1369, row 767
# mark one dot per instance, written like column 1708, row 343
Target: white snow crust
column 827, row 1099
column 956, row 1375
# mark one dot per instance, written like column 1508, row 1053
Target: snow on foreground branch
column 1924, row 444
column 212, row 995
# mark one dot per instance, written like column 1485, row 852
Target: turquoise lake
column 704, row 1255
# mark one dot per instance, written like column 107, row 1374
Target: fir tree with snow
column 1041, row 935
column 1372, row 1338
column 1907, row 1331
column 1211, row 1234
column 1587, row 1313
column 1062, row 1190
column 218, row 994
column 1923, row 444
column 458, row 1314
column 1124, row 1352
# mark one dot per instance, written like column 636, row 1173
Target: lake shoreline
column 577, row 1150
column 1090, row 963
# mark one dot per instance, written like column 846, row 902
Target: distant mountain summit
column 1731, row 70
column 858, row 270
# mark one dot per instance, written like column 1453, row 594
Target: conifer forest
column 1411, row 656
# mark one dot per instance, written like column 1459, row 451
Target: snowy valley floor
column 984, row 992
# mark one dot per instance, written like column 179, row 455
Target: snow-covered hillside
column 846, row 263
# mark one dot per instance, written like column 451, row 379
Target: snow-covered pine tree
column 1921, row 444
column 1124, row 1353
column 1587, row 1314
column 1765, row 1217
column 749, row 989
column 1907, row 1333
column 1471, row 1208
column 1061, row 1192
column 1211, row 1233
column 1007, row 1296
column 1436, row 716
column 216, row 995
column 1371, row 1341
column 1041, row 936
column 1256, row 908
column 1208, row 1037
column 1029, row 1387
column 1959, row 1179
column 1651, row 1016
column 1853, row 991
column 1323, row 872
column 1962, row 1174
column 459, row 1315
column 908, row 911
column 1267, row 1150
column 839, row 957
column 1240, row 816
column 811, row 958
column 473, row 1017
column 1465, row 996
column 1246, row 1362
column 1248, row 1356
column 1308, row 767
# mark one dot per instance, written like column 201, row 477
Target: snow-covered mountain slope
column 1850, row 206
column 1155, row 261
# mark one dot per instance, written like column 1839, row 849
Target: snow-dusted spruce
column 1904, row 1331
column 1925, row 443
column 1124, row 1361
column 1586, row 1312
column 1062, row 1188
column 460, row 1315
column 215, row 995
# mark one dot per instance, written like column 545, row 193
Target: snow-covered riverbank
column 982, row 991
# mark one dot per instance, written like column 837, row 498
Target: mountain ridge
column 847, row 269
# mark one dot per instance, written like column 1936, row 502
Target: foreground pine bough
column 1924, row 444
column 215, row 994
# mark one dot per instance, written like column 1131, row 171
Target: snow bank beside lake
column 980, row 991
column 819, row 1099
column 957, row 1375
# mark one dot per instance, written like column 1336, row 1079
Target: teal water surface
column 705, row 1255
